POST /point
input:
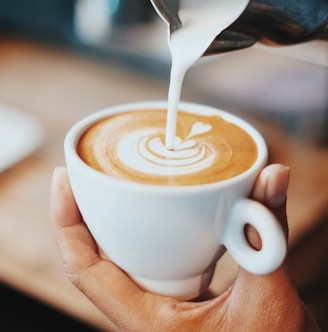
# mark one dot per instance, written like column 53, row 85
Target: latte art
column 132, row 146
column 145, row 151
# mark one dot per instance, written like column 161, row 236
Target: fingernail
column 56, row 173
column 277, row 194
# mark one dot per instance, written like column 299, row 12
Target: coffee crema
column 131, row 146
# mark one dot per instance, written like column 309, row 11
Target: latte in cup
column 131, row 146
column 166, row 216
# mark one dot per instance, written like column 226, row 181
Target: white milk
column 148, row 154
column 201, row 21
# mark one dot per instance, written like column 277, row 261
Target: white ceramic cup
column 168, row 239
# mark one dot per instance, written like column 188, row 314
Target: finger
column 277, row 287
column 71, row 234
column 107, row 286
column 63, row 209
column 270, row 188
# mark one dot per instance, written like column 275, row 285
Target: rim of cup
column 74, row 133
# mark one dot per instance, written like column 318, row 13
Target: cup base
column 180, row 289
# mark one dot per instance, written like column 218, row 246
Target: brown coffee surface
column 130, row 146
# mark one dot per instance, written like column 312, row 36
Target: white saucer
column 20, row 135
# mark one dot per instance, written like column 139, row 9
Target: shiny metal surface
column 272, row 22
column 168, row 10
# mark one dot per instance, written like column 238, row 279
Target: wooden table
column 59, row 88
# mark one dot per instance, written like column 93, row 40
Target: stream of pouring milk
column 201, row 21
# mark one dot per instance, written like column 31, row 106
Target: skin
column 252, row 303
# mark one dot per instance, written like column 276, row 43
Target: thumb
column 270, row 189
column 275, row 292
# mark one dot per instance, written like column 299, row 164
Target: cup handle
column 274, row 245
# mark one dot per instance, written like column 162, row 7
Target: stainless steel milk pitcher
column 273, row 22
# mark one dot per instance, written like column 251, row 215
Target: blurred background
column 61, row 60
